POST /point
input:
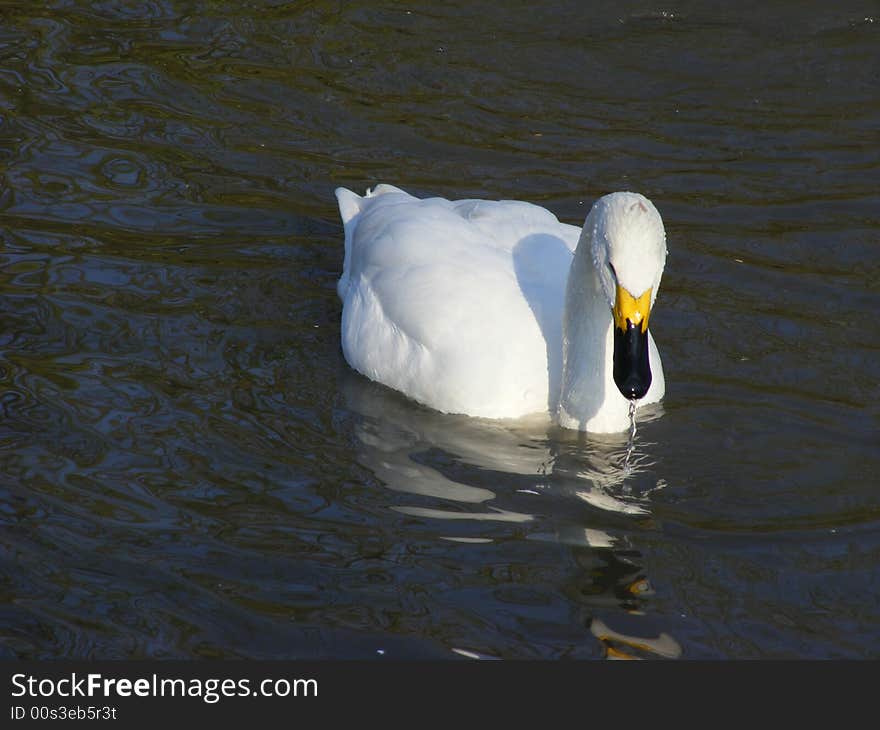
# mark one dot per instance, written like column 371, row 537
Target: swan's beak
column 632, row 372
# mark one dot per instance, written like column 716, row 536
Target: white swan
column 496, row 309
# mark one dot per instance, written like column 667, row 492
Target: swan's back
column 454, row 303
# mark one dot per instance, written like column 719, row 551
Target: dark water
column 188, row 468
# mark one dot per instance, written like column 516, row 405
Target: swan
column 495, row 309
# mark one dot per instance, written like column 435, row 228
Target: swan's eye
column 613, row 272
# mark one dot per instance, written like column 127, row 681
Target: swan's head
column 629, row 253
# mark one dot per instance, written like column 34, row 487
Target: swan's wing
column 434, row 304
column 507, row 222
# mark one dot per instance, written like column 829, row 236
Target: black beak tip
column 634, row 387
column 632, row 369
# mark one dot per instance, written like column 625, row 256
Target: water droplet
column 631, row 444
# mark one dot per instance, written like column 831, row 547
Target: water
column 633, row 430
column 188, row 468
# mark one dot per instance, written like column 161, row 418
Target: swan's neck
column 589, row 400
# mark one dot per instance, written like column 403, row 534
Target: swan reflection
column 620, row 646
column 527, row 476
column 469, row 461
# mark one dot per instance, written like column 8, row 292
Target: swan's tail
column 350, row 205
column 349, row 208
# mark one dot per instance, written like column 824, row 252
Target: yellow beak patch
column 628, row 308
